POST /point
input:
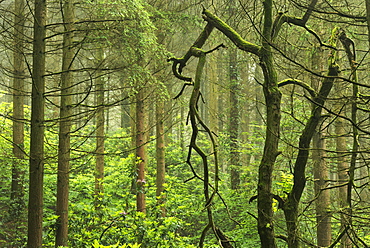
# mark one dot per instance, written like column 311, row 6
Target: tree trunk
column 125, row 108
column 107, row 111
column 182, row 130
column 322, row 204
column 160, row 153
column 99, row 132
column 273, row 100
column 36, row 174
column 235, row 165
column 291, row 206
column 368, row 18
column 321, row 175
column 214, row 93
column 17, row 190
column 350, row 51
column 246, row 112
column 65, row 127
column 342, row 170
column 141, row 158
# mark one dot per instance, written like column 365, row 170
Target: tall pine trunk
column 99, row 133
column 36, row 173
column 141, row 159
column 17, row 190
column 160, row 153
column 65, row 127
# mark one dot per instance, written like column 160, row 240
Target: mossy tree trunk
column 272, row 96
column 234, row 106
column 234, row 120
column 270, row 151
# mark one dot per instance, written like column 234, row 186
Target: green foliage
column 12, row 233
column 97, row 245
column 285, row 183
column 117, row 223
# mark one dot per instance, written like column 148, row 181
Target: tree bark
column 321, row 175
column 270, row 152
column 125, row 108
column 65, row 127
column 17, row 190
column 141, row 158
column 342, row 171
column 234, row 121
column 160, row 153
column 36, row 173
column 214, row 94
column 291, row 206
column 350, row 51
column 322, row 204
column 367, row 2
column 99, row 133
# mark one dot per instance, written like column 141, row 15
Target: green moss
column 231, row 33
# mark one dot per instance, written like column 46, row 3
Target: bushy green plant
column 97, row 245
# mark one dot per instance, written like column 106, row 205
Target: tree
column 141, row 156
column 64, row 147
column 350, row 50
column 234, row 121
column 99, row 133
column 17, row 188
column 36, row 170
column 160, row 154
column 273, row 114
column 367, row 4
column 320, row 170
column 234, row 99
column 270, row 151
column 342, row 168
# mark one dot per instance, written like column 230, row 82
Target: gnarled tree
column 265, row 53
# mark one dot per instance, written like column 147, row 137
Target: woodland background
column 210, row 123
